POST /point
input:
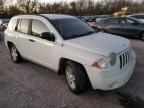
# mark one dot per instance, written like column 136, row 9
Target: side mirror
column 48, row 36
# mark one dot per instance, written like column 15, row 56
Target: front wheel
column 15, row 55
column 76, row 78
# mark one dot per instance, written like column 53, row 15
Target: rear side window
column 127, row 21
column 123, row 21
column 38, row 28
column 114, row 21
column 23, row 26
column 13, row 24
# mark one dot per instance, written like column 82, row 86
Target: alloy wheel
column 70, row 77
column 14, row 53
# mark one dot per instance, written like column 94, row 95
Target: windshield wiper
column 88, row 33
column 80, row 35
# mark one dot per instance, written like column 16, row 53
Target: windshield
column 70, row 28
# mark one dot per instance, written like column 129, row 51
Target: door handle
column 31, row 40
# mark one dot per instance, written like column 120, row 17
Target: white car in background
column 69, row 46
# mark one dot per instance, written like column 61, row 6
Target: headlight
column 100, row 64
column 112, row 58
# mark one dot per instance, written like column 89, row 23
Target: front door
column 129, row 27
column 41, row 50
column 113, row 26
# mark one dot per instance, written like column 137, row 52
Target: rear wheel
column 75, row 76
column 15, row 55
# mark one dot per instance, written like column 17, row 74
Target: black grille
column 124, row 59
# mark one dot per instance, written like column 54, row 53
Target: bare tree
column 28, row 6
column 2, row 5
column 79, row 7
column 3, row 11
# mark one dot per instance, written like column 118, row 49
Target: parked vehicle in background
column 71, row 47
column 4, row 24
column 92, row 22
column 124, row 26
column 100, row 18
column 83, row 18
column 2, row 27
column 138, row 16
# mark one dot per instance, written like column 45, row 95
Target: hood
column 100, row 43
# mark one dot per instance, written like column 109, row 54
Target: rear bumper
column 105, row 80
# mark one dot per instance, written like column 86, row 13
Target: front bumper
column 108, row 79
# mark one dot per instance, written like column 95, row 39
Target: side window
column 113, row 21
column 38, row 28
column 13, row 24
column 123, row 21
column 23, row 26
column 129, row 21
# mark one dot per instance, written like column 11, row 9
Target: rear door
column 22, row 33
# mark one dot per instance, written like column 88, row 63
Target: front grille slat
column 127, row 56
column 124, row 58
column 120, row 61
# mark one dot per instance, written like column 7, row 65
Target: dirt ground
column 29, row 85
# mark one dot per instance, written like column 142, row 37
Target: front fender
column 77, row 55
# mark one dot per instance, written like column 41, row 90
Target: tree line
column 76, row 8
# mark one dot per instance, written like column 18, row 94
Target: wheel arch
column 9, row 43
column 62, row 64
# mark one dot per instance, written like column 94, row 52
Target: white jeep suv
column 70, row 46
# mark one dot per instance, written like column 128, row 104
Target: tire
column 15, row 55
column 142, row 36
column 76, row 78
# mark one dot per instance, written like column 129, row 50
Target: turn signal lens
column 100, row 64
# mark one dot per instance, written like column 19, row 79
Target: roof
column 56, row 16
column 49, row 16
